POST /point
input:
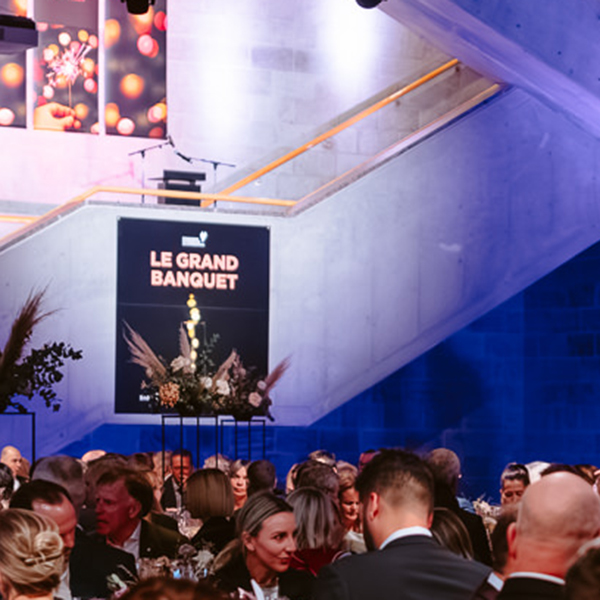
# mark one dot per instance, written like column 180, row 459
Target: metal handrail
column 36, row 222
column 17, row 218
column 200, row 196
column 206, row 199
column 340, row 127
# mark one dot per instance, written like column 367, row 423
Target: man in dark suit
column 557, row 515
column 123, row 498
column 396, row 492
column 89, row 563
column 446, row 469
column 182, row 466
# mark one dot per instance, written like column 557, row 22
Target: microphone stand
column 142, row 153
column 215, row 164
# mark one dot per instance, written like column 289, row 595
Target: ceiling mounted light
column 368, row 3
column 138, row 7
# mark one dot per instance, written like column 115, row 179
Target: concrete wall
column 363, row 282
column 548, row 49
column 520, row 384
column 246, row 81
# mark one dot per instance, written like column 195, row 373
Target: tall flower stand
column 216, row 434
column 242, row 431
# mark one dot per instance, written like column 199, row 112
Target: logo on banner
column 187, row 241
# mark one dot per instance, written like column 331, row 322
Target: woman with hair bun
column 31, row 555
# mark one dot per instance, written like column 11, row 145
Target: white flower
column 206, row 382
column 180, row 363
column 261, row 385
column 255, row 399
column 223, row 387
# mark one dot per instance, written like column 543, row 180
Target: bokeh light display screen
column 76, row 58
column 135, row 70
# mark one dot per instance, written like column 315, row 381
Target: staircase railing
column 226, row 195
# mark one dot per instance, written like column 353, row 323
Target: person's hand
column 55, row 116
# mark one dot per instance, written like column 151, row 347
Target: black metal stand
column 196, row 422
column 24, row 414
column 261, row 422
column 220, row 424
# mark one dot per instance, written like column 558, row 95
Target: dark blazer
column 168, row 498
column 157, row 541
column 92, row 562
column 163, row 520
column 214, row 534
column 295, row 585
column 445, row 497
column 486, row 591
column 526, row 588
column 412, row 567
column 478, row 535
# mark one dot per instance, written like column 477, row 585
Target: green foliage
column 36, row 374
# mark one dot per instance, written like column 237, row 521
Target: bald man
column 11, row 457
column 557, row 515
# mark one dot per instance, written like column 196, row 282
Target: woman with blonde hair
column 349, row 503
column 259, row 559
column 31, row 555
column 209, row 497
column 320, row 532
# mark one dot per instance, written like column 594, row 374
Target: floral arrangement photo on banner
column 192, row 384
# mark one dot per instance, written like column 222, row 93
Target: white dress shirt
column 400, row 533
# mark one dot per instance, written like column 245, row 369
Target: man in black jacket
column 446, row 469
column 90, row 563
column 396, row 492
column 182, row 466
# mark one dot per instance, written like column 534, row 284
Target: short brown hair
column 209, row 494
column 399, row 476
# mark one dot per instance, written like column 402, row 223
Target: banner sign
column 160, row 265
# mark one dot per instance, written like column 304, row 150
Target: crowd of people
column 154, row 526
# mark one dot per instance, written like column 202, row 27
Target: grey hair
column 66, row 471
